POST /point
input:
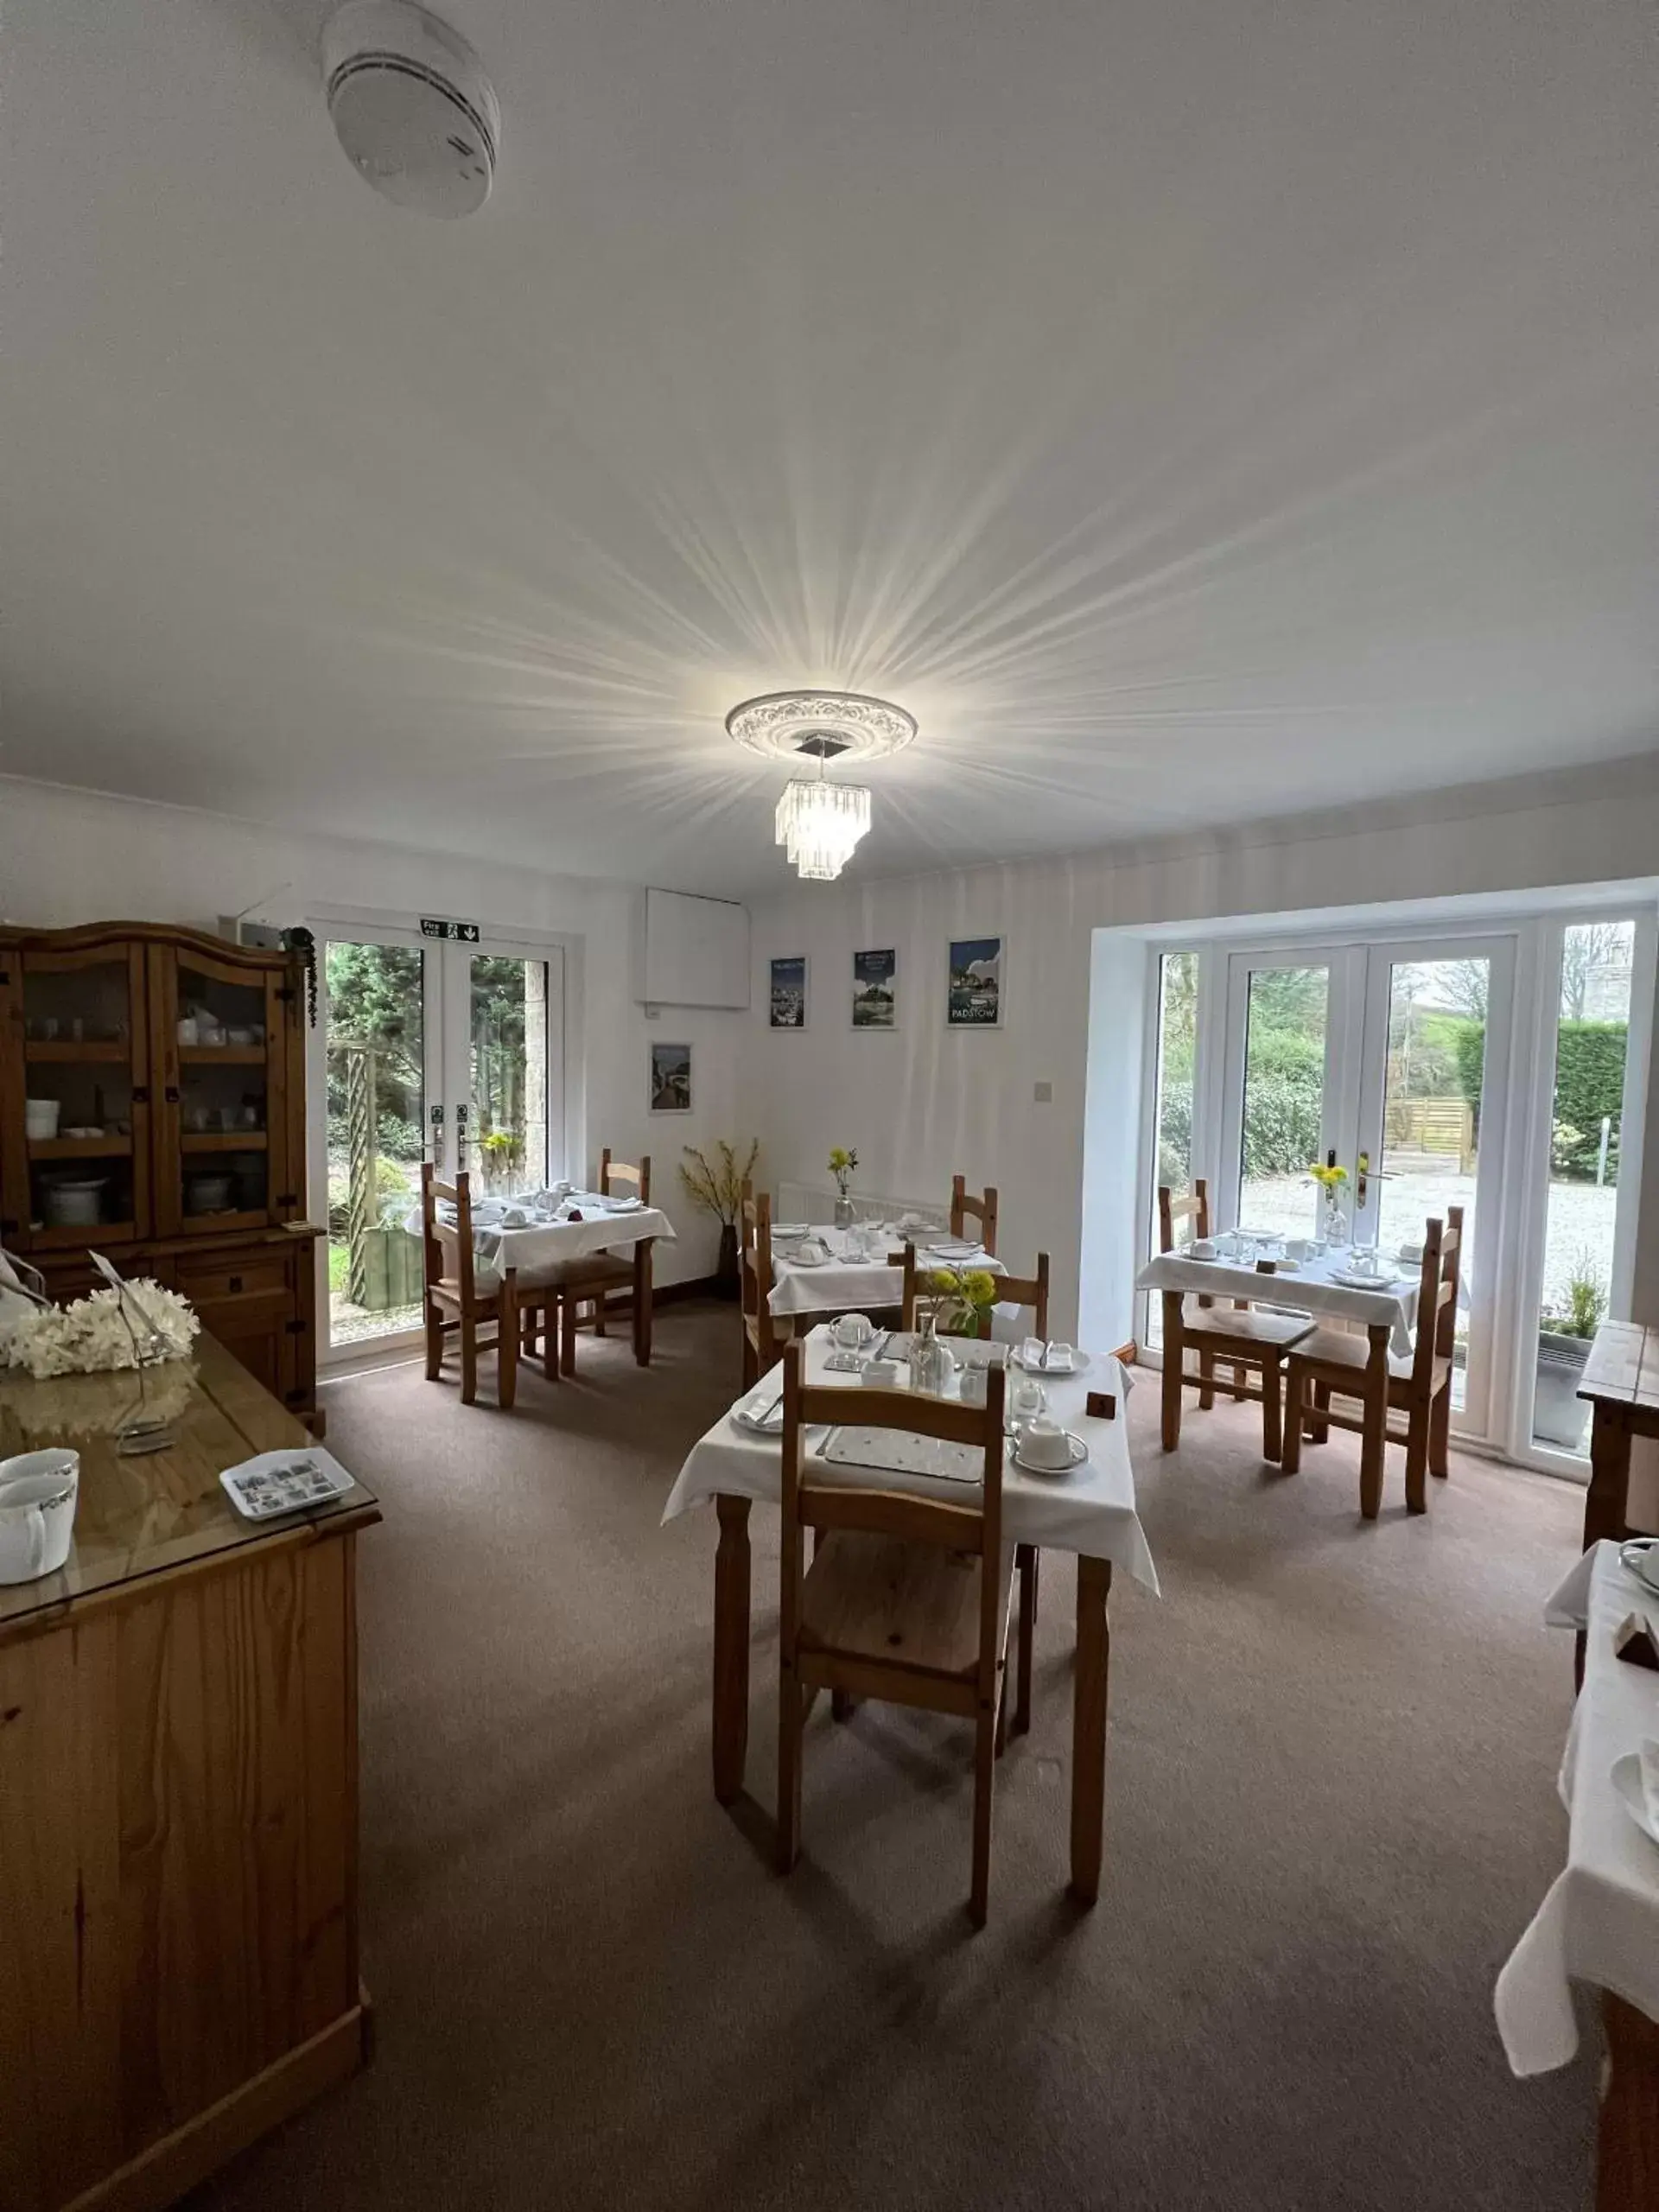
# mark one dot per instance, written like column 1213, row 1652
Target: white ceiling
column 1190, row 409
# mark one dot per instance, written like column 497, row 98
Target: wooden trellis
column 362, row 1164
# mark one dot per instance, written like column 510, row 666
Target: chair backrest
column 1437, row 1295
column 754, row 1269
column 1026, row 1290
column 446, row 1247
column 612, row 1171
column 976, row 1527
column 964, row 1209
column 1171, row 1210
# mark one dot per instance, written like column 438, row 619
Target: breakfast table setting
column 1068, row 1487
column 542, row 1228
column 1598, row 1924
column 823, row 1270
column 1358, row 1286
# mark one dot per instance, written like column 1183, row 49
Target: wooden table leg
column 1088, row 1727
column 1175, row 1361
column 1607, row 1498
column 1627, row 2145
column 642, row 1301
column 731, row 1697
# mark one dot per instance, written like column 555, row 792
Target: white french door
column 1394, row 1057
column 424, row 1049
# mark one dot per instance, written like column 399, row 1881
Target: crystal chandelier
column 819, row 822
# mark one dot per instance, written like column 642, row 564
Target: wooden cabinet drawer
column 232, row 1275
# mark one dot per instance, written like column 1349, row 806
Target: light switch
column 1043, row 1093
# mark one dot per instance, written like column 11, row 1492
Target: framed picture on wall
column 875, row 1001
column 670, row 1078
column 974, row 991
column 787, row 1008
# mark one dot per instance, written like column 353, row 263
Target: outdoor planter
column 1557, row 1410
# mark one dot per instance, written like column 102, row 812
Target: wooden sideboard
column 194, row 1156
column 178, row 1802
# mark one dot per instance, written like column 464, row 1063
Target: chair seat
column 1250, row 1325
column 896, row 1603
column 485, row 1283
column 593, row 1270
column 1339, row 1348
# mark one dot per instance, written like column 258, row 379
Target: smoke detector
column 412, row 105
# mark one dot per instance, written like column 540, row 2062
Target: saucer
column 1075, row 1445
column 1351, row 1279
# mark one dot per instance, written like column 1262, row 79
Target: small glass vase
column 931, row 1363
column 846, row 1213
column 1333, row 1222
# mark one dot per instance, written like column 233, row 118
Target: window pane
column 506, row 1147
column 1177, row 1031
column 1431, row 1111
column 1592, row 1030
column 1284, row 1098
column 377, row 1123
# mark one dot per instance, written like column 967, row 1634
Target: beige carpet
column 1330, row 1812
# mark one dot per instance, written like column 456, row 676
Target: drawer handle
column 236, row 1282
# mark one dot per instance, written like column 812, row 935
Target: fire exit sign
column 462, row 932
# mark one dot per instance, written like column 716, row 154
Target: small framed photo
column 670, row 1078
column 788, row 1002
column 875, row 1002
column 974, row 994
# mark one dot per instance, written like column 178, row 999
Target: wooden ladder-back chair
column 964, row 1209
column 592, row 1279
column 1330, row 1362
column 764, row 1339
column 906, row 1598
column 1030, row 1290
column 458, row 1295
column 1240, row 1335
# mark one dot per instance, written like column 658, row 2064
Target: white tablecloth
column 1599, row 1923
column 549, row 1236
column 1309, row 1289
column 851, row 1283
column 1091, row 1510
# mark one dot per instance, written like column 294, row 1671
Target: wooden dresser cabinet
column 178, row 1800
column 152, row 1106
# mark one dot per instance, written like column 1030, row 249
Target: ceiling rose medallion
column 820, row 823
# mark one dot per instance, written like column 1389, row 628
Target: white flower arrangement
column 92, row 1335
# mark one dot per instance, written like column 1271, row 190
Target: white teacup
column 1411, row 1254
column 852, row 1331
column 1203, row 1247
column 1297, row 1247
column 37, row 1512
column 1045, row 1443
column 513, row 1217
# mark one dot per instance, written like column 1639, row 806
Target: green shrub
column 1284, row 1124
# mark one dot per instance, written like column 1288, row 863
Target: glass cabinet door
column 80, row 1168
column 220, row 1029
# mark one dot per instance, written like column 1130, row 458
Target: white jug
column 38, row 1491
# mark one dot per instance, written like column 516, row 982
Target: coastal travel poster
column 975, row 999
column 875, row 1004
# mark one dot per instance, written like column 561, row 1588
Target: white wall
column 71, row 856
column 924, row 1102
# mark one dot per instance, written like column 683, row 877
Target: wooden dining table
column 1091, row 1513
